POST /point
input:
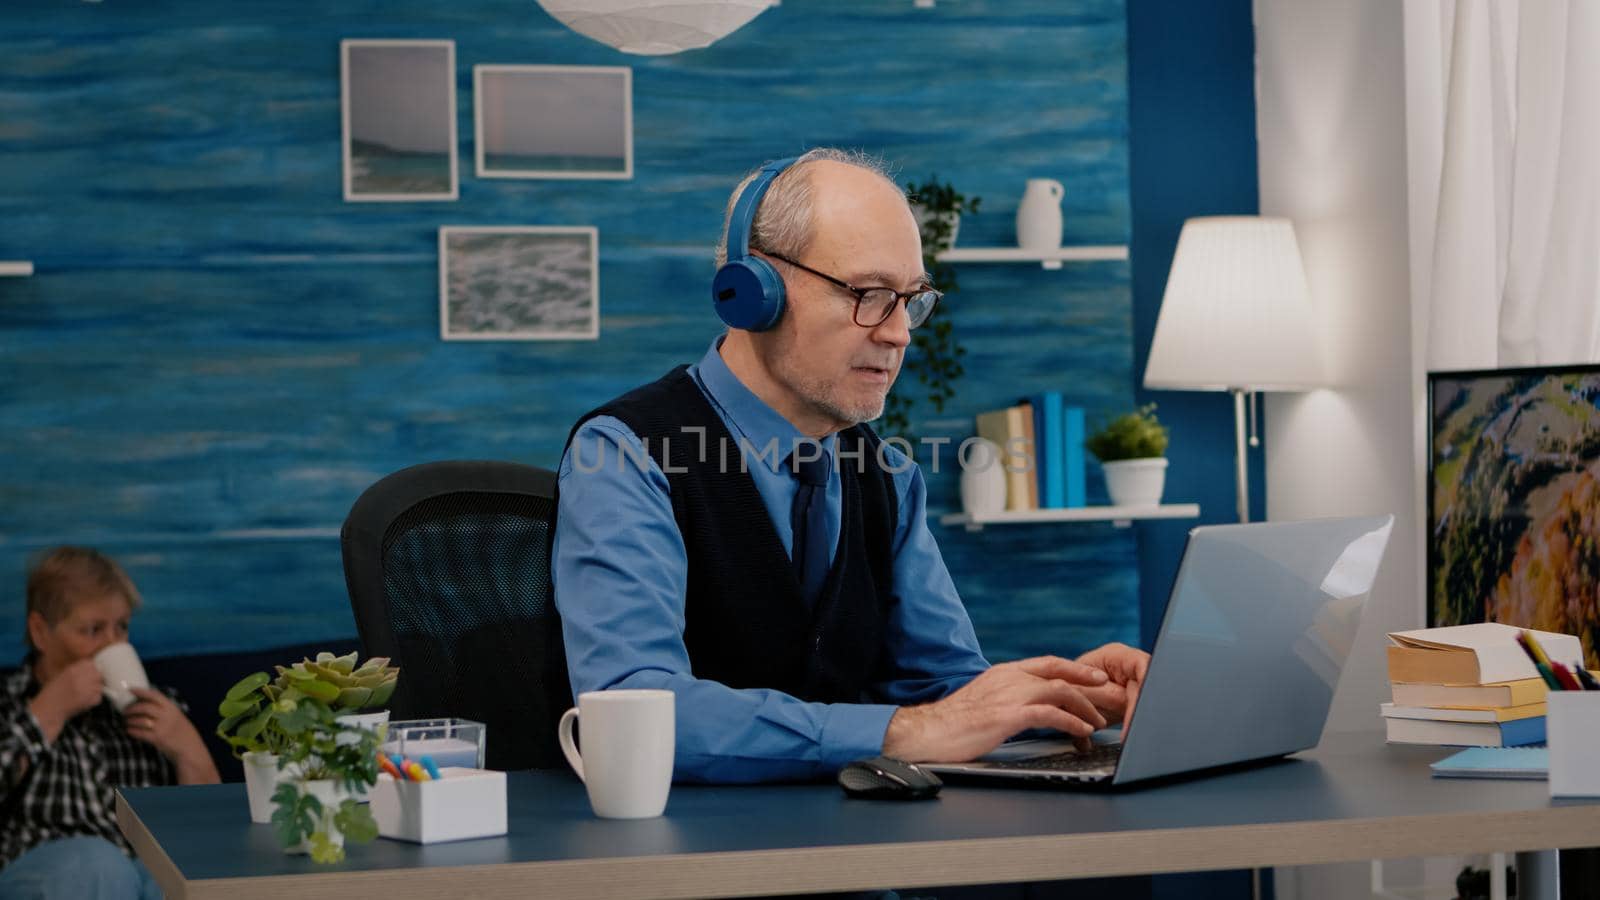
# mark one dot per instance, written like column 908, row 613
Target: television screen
column 1514, row 500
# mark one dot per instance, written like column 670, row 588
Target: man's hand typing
column 1042, row 692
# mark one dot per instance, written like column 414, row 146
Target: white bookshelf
column 1120, row 516
column 15, row 268
column 1049, row 259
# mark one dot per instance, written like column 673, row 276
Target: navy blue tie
column 808, row 519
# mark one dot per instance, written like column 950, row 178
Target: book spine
column 1522, row 732
column 1074, row 471
column 1018, row 457
column 1051, row 453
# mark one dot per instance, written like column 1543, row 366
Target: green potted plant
column 933, row 362
column 1131, row 450
column 251, row 725
column 315, row 809
column 938, row 206
column 253, row 710
column 356, row 693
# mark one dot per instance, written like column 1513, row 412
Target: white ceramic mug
column 628, row 740
column 120, row 669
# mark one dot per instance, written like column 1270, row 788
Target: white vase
column 1136, row 482
column 326, row 790
column 261, row 778
column 1039, row 215
column 983, row 478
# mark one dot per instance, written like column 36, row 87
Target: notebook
column 1259, row 623
column 1495, row 762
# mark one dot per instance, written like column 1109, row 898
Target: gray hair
column 783, row 220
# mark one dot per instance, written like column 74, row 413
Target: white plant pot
column 327, row 791
column 983, row 478
column 1136, row 482
column 376, row 720
column 261, row 779
column 953, row 218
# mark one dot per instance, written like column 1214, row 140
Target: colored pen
column 1588, row 680
column 416, row 772
column 433, row 770
column 398, row 761
column 1550, row 680
column 387, row 766
column 1531, row 643
column 1568, row 680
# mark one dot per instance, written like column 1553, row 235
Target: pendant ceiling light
column 655, row 27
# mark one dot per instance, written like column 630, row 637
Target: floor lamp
column 1236, row 317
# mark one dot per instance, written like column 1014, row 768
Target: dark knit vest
column 746, row 622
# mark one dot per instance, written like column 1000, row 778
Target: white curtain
column 1503, row 127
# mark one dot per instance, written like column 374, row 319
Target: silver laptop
column 1258, row 627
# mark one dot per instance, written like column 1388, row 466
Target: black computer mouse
column 882, row 778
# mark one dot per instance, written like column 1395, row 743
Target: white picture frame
column 398, row 115
column 519, row 282
column 536, row 121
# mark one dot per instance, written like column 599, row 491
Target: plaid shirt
column 67, row 787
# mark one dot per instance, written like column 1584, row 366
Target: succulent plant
column 338, row 682
column 255, row 710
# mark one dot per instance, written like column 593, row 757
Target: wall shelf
column 1120, row 516
column 15, row 268
column 1049, row 259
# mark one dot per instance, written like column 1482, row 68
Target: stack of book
column 1041, row 446
column 1467, row 685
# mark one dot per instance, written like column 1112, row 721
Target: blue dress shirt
column 620, row 573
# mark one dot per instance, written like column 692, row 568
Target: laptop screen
column 1258, row 626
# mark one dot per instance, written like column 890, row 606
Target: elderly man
column 734, row 533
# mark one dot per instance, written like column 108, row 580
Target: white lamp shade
column 655, row 27
column 1237, row 312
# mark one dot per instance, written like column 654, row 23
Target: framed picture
column 553, row 121
column 1513, row 497
column 519, row 283
column 399, row 106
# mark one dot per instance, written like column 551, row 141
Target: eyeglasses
column 874, row 305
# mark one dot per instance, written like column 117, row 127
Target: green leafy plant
column 253, row 708
column 934, row 359
column 1134, row 435
column 249, row 716
column 319, row 748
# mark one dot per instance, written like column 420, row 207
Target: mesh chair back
column 448, row 566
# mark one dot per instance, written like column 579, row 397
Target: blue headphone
column 747, row 291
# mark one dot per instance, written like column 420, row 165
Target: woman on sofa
column 64, row 748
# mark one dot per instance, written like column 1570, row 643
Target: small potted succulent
column 1131, row 450
column 315, row 809
column 253, row 713
column 356, row 693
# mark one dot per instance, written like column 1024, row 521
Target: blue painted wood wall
column 217, row 354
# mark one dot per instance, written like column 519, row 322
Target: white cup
column 628, row 742
column 1572, row 726
column 120, row 669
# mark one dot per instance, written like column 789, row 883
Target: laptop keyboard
column 1102, row 756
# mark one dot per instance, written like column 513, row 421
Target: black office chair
column 448, row 566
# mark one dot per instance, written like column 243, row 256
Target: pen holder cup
column 1572, row 729
column 448, row 742
column 461, row 804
